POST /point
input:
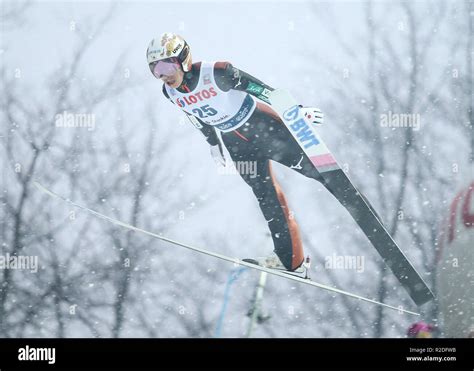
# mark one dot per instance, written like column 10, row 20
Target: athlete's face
column 175, row 80
column 169, row 71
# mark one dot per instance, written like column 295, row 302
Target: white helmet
column 169, row 45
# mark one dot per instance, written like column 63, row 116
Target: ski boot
column 273, row 262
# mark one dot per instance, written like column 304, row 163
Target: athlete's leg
column 272, row 201
column 286, row 150
column 274, row 140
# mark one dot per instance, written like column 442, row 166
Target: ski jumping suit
column 222, row 97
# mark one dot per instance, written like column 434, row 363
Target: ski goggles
column 166, row 67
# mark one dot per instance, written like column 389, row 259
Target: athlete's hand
column 217, row 154
column 312, row 115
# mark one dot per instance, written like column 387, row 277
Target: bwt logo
column 300, row 128
column 177, row 48
column 190, row 99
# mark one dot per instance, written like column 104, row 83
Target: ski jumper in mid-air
column 219, row 97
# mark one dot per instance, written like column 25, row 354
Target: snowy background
column 143, row 163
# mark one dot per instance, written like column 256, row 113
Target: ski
column 235, row 261
column 338, row 183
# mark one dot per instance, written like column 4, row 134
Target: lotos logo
column 190, row 99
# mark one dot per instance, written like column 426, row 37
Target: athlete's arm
column 207, row 130
column 229, row 77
